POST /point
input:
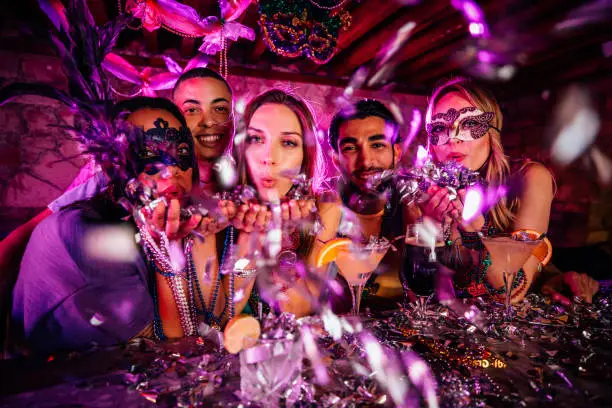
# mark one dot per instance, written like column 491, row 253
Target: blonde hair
column 496, row 168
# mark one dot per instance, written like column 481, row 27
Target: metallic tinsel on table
column 546, row 355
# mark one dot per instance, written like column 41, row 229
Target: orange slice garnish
column 241, row 332
column 543, row 252
column 331, row 249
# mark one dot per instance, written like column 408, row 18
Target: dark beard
column 360, row 201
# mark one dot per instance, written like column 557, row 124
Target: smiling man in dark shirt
column 364, row 137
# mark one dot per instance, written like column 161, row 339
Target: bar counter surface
column 546, row 355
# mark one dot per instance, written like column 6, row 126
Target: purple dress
column 65, row 299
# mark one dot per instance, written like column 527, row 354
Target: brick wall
column 33, row 171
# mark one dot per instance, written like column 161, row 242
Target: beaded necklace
column 185, row 297
column 207, row 313
column 256, row 306
column 229, row 243
column 159, row 259
column 158, row 330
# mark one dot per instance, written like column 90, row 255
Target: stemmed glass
column 420, row 269
column 508, row 254
column 357, row 265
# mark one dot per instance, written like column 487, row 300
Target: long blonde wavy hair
column 496, row 168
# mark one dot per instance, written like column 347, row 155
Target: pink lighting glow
column 473, row 203
column 421, row 156
column 476, row 29
column 471, row 11
column 483, row 56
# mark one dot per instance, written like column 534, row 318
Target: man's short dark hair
column 201, row 72
column 132, row 105
column 361, row 110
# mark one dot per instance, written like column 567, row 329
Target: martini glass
column 357, row 265
column 508, row 254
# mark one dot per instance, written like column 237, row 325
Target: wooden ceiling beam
column 365, row 17
column 308, row 66
column 440, row 62
column 442, row 54
column 537, row 76
column 158, row 62
column 432, row 72
column 423, row 60
column 598, row 66
column 584, row 72
column 581, row 65
column 361, row 52
column 365, row 50
column 423, row 43
column 439, row 34
column 565, row 67
column 431, row 44
column 566, row 45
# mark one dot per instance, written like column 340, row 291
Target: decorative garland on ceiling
column 292, row 28
column 328, row 5
column 147, row 83
column 185, row 21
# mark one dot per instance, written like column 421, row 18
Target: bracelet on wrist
column 245, row 273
